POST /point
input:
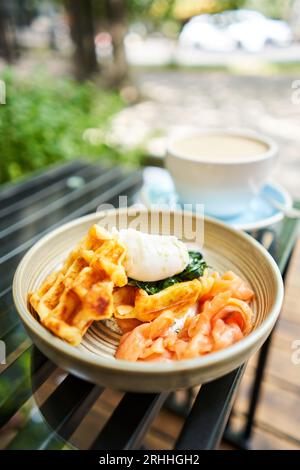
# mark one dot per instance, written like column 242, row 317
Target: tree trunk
column 7, row 36
column 116, row 16
column 82, row 32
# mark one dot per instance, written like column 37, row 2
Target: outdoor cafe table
column 32, row 208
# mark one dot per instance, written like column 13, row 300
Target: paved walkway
column 175, row 98
column 159, row 51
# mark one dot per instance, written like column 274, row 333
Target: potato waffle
column 131, row 302
column 70, row 299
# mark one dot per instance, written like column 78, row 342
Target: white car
column 224, row 32
column 253, row 34
column 202, row 34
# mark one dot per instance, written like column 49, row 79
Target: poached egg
column 152, row 257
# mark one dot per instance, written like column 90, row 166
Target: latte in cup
column 220, row 147
column 222, row 169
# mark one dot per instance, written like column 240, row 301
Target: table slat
column 129, row 422
column 21, row 381
column 205, row 424
column 41, row 198
column 11, row 192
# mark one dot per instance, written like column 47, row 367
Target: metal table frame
column 29, row 210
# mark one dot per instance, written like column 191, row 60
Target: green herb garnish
column 194, row 269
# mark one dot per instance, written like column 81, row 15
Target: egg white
column 152, row 257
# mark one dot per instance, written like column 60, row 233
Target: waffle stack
column 69, row 300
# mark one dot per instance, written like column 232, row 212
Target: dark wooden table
column 32, row 208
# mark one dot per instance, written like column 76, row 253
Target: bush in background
column 44, row 121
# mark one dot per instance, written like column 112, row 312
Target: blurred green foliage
column 278, row 9
column 44, row 120
column 184, row 9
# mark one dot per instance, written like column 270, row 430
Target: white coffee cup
column 220, row 168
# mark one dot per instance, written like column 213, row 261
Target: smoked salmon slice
column 223, row 316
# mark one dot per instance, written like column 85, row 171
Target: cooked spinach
column 194, row 269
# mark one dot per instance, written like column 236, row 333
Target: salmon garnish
column 220, row 321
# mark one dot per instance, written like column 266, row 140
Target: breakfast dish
column 224, row 250
column 165, row 300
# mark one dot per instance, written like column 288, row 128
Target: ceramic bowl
column 224, row 248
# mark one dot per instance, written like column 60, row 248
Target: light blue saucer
column 159, row 189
